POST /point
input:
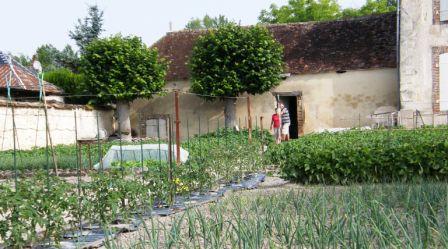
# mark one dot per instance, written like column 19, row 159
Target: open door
column 300, row 115
column 293, row 101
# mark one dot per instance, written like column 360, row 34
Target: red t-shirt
column 276, row 120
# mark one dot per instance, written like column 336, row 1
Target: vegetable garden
column 39, row 208
column 365, row 156
column 395, row 215
column 42, row 208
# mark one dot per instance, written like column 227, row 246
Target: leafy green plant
column 40, row 201
column 232, row 60
column 365, row 156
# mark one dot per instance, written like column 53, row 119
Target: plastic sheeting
column 134, row 153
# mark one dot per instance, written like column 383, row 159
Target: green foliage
column 301, row 11
column 38, row 202
column 71, row 83
column 207, row 22
column 232, row 60
column 22, row 59
column 366, row 216
column 88, row 29
column 365, row 156
column 52, row 59
column 224, row 156
column 322, row 10
column 122, row 68
column 48, row 55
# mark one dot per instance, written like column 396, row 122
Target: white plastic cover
column 133, row 153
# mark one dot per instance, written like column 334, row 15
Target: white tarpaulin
column 134, row 153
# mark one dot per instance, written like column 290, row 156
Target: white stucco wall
column 418, row 36
column 330, row 100
column 30, row 126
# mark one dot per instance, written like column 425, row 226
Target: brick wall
column 436, row 52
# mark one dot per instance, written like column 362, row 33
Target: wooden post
column 176, row 108
column 261, row 132
column 89, row 154
column 47, row 127
column 170, row 161
column 249, row 118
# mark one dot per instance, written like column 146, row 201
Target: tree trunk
column 124, row 122
column 230, row 112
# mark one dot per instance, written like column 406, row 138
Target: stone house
column 337, row 74
column 424, row 60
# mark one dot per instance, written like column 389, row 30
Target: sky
column 28, row 24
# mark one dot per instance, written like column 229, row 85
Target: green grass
column 367, row 216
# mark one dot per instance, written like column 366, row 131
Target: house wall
column 421, row 33
column 330, row 100
column 30, row 125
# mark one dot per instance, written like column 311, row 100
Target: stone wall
column 420, row 34
column 330, row 100
column 30, row 124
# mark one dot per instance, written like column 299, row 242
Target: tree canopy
column 51, row 58
column 89, row 28
column 207, row 22
column 322, row 10
column 232, row 60
column 122, row 68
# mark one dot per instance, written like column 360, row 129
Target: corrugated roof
column 312, row 47
column 23, row 78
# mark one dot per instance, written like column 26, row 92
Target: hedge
column 364, row 156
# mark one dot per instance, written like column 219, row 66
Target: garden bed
column 365, row 156
column 292, row 216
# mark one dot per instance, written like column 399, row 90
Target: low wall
column 30, row 124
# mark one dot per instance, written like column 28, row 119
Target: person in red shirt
column 276, row 124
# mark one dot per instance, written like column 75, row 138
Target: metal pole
column 170, row 161
column 176, row 107
column 249, row 119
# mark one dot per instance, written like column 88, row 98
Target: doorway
column 293, row 101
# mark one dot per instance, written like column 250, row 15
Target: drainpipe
column 398, row 52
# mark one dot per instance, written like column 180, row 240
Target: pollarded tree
column 232, row 60
column 120, row 69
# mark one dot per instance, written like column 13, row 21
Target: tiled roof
column 23, row 78
column 312, row 47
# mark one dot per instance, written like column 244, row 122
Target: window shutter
column 443, row 10
column 443, row 81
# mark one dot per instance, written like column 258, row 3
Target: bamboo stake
column 48, row 135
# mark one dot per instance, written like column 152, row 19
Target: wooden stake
column 176, row 108
column 55, row 168
column 249, row 118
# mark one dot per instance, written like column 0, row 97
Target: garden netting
column 134, row 153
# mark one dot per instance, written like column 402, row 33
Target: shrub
column 365, row 156
column 71, row 83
